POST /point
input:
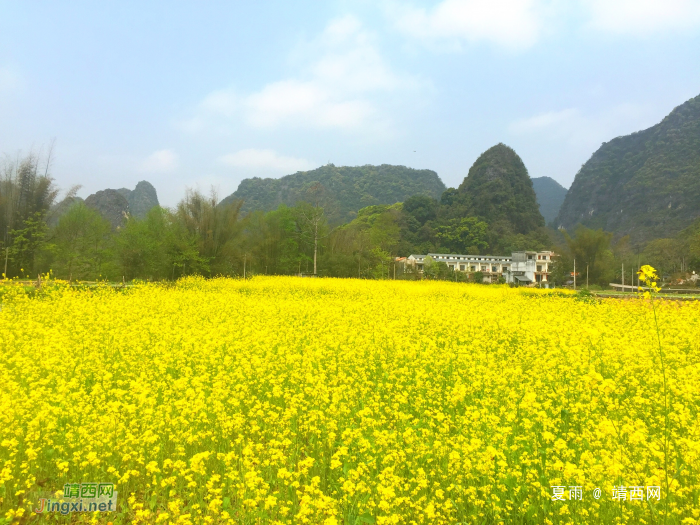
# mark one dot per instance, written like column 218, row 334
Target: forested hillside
column 343, row 191
column 493, row 211
column 498, row 191
column 645, row 185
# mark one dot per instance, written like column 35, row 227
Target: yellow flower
column 310, row 401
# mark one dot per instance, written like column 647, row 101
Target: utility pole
column 586, row 277
column 244, row 256
column 315, row 243
column 574, row 274
column 394, row 270
column 623, row 276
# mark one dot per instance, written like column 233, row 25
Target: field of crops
column 286, row 400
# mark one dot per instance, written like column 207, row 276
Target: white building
column 520, row 268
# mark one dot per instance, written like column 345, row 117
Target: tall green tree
column 81, row 244
column 157, row 247
column 216, row 228
column 591, row 251
column 26, row 194
column 463, row 235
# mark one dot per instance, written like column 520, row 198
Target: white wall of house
column 531, row 265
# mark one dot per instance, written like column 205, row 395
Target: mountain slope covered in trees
column 497, row 190
column 344, row 190
column 645, row 185
column 550, row 196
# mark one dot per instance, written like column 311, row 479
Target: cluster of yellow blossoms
column 286, row 400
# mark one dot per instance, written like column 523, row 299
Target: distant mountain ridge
column 646, row 185
column 141, row 199
column 550, row 196
column 114, row 205
column 347, row 189
column 111, row 204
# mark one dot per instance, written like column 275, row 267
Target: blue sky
column 205, row 94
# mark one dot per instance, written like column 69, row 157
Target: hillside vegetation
column 498, row 190
column 345, row 189
column 645, row 185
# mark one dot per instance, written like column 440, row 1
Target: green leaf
column 365, row 518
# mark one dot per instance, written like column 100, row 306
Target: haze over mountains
column 550, row 196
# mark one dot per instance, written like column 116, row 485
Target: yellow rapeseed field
column 286, row 400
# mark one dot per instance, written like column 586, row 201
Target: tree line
column 203, row 236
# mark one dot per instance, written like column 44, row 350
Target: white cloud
column 306, row 102
column 222, row 102
column 543, row 121
column 520, row 24
column 265, row 160
column 512, row 24
column 584, row 129
column 340, row 74
column 643, row 17
column 161, row 161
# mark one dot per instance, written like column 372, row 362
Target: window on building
column 539, row 267
column 461, row 267
column 473, row 268
column 494, row 269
